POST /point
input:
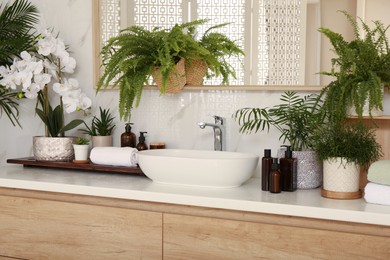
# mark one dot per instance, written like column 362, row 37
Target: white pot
column 81, row 152
column 340, row 176
column 101, row 140
column 53, row 148
column 374, row 112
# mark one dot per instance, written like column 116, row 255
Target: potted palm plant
column 297, row 119
column 101, row 128
column 360, row 70
column 344, row 150
column 137, row 54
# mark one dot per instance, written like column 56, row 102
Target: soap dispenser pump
column 141, row 145
column 288, row 169
column 128, row 138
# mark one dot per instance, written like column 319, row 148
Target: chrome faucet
column 219, row 132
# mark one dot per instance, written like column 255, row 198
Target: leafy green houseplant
column 345, row 150
column 101, row 128
column 353, row 142
column 102, row 125
column 17, row 21
column 81, row 141
column 81, row 150
column 132, row 57
column 296, row 118
column 360, row 69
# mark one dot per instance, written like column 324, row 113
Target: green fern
column 360, row 68
column 354, row 143
column 130, row 58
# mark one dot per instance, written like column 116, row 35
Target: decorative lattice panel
column 225, row 11
column 162, row 13
column 272, row 49
column 279, row 42
column 109, row 19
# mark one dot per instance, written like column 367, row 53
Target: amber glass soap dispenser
column 141, row 145
column 288, row 169
column 128, row 138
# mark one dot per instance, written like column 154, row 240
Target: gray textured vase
column 309, row 169
column 54, row 149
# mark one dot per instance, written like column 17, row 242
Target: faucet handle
column 218, row 120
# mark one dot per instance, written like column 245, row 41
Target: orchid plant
column 45, row 66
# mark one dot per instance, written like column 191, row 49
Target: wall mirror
column 280, row 39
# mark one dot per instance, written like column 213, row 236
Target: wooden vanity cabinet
column 190, row 237
column 44, row 229
column 43, row 225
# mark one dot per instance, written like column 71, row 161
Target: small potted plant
column 360, row 70
column 344, row 150
column 137, row 54
column 101, row 128
column 81, row 150
column 297, row 119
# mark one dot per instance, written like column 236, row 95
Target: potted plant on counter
column 360, row 70
column 137, row 54
column 81, row 150
column 37, row 71
column 344, row 150
column 101, row 128
column 297, row 119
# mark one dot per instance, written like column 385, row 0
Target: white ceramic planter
column 100, row 140
column 374, row 112
column 340, row 176
column 81, row 152
column 53, row 148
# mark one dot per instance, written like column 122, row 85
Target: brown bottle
column 274, row 185
column 288, row 169
column 141, row 145
column 128, row 138
column 266, row 163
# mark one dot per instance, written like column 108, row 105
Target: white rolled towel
column 377, row 193
column 115, row 156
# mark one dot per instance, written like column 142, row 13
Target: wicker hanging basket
column 176, row 80
column 195, row 72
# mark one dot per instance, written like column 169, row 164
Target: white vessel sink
column 197, row 168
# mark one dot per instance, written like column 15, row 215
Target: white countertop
column 248, row 197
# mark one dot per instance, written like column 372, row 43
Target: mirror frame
column 97, row 65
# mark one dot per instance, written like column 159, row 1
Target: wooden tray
column 30, row 161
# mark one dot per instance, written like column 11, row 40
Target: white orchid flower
column 46, row 46
column 66, row 87
column 32, row 91
column 71, row 100
column 84, row 102
column 68, row 64
column 42, row 79
column 8, row 81
column 25, row 78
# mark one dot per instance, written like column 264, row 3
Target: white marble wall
column 171, row 118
